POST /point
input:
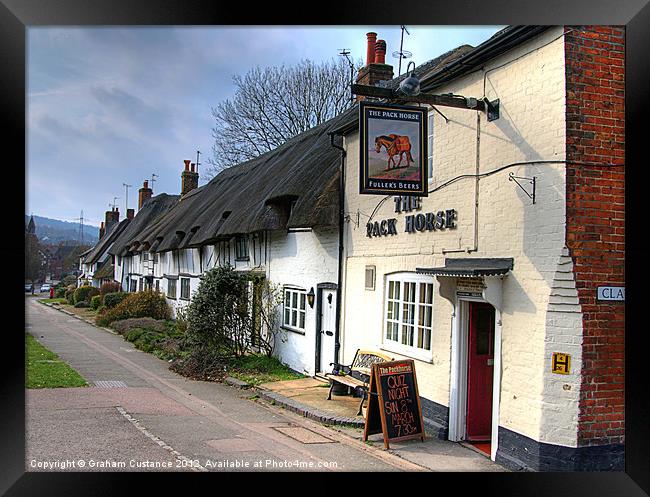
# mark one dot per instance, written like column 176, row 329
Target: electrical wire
column 499, row 169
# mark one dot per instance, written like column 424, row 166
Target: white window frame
column 169, row 294
column 397, row 346
column 242, row 252
column 300, row 309
column 189, row 288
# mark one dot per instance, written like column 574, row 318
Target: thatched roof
column 105, row 242
column 148, row 214
column 106, row 271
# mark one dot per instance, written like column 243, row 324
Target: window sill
column 293, row 330
column 187, row 299
column 413, row 354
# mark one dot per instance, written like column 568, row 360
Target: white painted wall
column 302, row 259
column 531, row 91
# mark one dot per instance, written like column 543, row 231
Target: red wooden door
column 480, row 367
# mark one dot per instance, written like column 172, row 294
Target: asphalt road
column 139, row 416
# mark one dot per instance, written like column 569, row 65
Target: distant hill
column 53, row 231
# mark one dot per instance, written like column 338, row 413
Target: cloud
column 108, row 105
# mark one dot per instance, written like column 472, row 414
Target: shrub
column 217, row 317
column 59, row 293
column 181, row 319
column 85, row 293
column 110, row 287
column 68, row 280
column 123, row 326
column 112, row 299
column 148, row 303
column 82, row 304
column 69, row 295
column 95, row 302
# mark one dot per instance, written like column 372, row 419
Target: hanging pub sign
column 393, row 149
column 394, row 402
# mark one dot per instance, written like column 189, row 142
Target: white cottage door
column 327, row 328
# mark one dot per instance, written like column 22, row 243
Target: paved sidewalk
column 308, row 397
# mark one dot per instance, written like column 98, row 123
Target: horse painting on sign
column 395, row 145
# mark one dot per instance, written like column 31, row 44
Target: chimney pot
column 187, row 165
column 144, row 194
column 192, row 166
column 380, row 52
column 370, row 54
column 130, row 213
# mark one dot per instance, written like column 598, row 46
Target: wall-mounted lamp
column 310, row 297
column 411, row 84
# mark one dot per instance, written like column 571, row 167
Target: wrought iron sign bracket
column 449, row 100
column 533, row 181
column 492, row 109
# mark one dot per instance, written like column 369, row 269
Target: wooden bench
column 356, row 375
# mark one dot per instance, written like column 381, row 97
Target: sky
column 112, row 105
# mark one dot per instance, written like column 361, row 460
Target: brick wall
column 595, row 82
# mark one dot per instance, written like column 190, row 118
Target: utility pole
column 197, row 161
column 153, row 179
column 81, row 226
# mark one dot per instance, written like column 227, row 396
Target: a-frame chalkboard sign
column 394, row 403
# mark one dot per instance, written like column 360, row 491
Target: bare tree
column 272, row 105
column 34, row 260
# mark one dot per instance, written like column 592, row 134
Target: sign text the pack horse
column 393, row 154
column 394, row 402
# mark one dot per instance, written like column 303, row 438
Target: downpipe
column 337, row 329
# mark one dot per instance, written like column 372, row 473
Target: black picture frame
column 375, row 186
column 18, row 15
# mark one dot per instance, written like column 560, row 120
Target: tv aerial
column 401, row 53
column 345, row 52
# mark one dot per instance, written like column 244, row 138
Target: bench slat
column 346, row 380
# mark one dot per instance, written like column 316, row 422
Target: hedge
column 85, row 293
column 148, row 303
column 112, row 299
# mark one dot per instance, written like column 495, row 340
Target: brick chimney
column 144, row 194
column 376, row 68
column 112, row 218
column 189, row 178
column 130, row 213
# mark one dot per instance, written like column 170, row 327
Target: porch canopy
column 470, row 267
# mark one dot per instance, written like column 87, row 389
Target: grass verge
column 256, row 369
column 46, row 370
column 52, row 301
